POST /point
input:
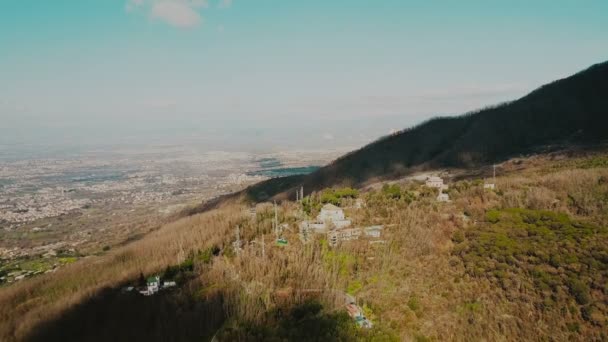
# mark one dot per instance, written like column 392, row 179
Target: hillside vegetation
column 527, row 261
column 570, row 111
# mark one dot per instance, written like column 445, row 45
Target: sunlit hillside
column 526, row 260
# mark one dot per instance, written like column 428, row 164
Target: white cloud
column 178, row 13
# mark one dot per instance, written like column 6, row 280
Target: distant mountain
column 569, row 111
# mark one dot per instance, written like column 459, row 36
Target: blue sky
column 275, row 72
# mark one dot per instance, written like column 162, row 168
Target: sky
column 274, row 74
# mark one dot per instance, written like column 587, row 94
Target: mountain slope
column 573, row 110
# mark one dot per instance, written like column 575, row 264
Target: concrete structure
column 336, row 236
column 492, row 185
column 315, row 227
column 332, row 215
column 152, row 286
column 443, row 197
column 330, row 212
column 374, row 231
column 434, row 182
column 168, row 284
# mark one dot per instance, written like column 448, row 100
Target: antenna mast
column 237, row 243
column 276, row 220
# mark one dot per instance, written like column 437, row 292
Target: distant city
column 57, row 207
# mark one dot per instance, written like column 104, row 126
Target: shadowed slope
column 573, row 110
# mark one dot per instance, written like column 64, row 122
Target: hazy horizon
column 264, row 75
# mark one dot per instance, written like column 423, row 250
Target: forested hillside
column 569, row 111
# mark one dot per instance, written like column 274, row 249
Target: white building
column 168, row 284
column 315, row 227
column 330, row 212
column 335, row 236
column 334, row 215
column 443, row 197
column 490, row 186
column 330, row 217
column 374, row 231
column 153, row 284
column 434, row 182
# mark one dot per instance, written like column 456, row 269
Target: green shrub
column 458, row 237
column 579, row 290
column 421, row 338
column 354, row 287
column 573, row 327
column 493, row 216
column 391, row 191
column 413, row 303
column 541, row 250
column 587, row 312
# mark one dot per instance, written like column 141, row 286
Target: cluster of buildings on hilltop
column 437, row 183
column 332, row 222
column 152, row 286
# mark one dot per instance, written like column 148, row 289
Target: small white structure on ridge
column 168, row 284
column 374, row 231
column 330, row 217
column 492, row 185
column 331, row 214
column 152, row 286
column 435, row 182
column 441, row 197
column 335, row 236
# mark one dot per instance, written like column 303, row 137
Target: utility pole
column 494, row 176
column 237, row 243
column 276, row 221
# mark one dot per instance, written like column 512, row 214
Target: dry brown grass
column 412, row 287
column 25, row 305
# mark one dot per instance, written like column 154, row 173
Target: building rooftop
column 330, row 206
